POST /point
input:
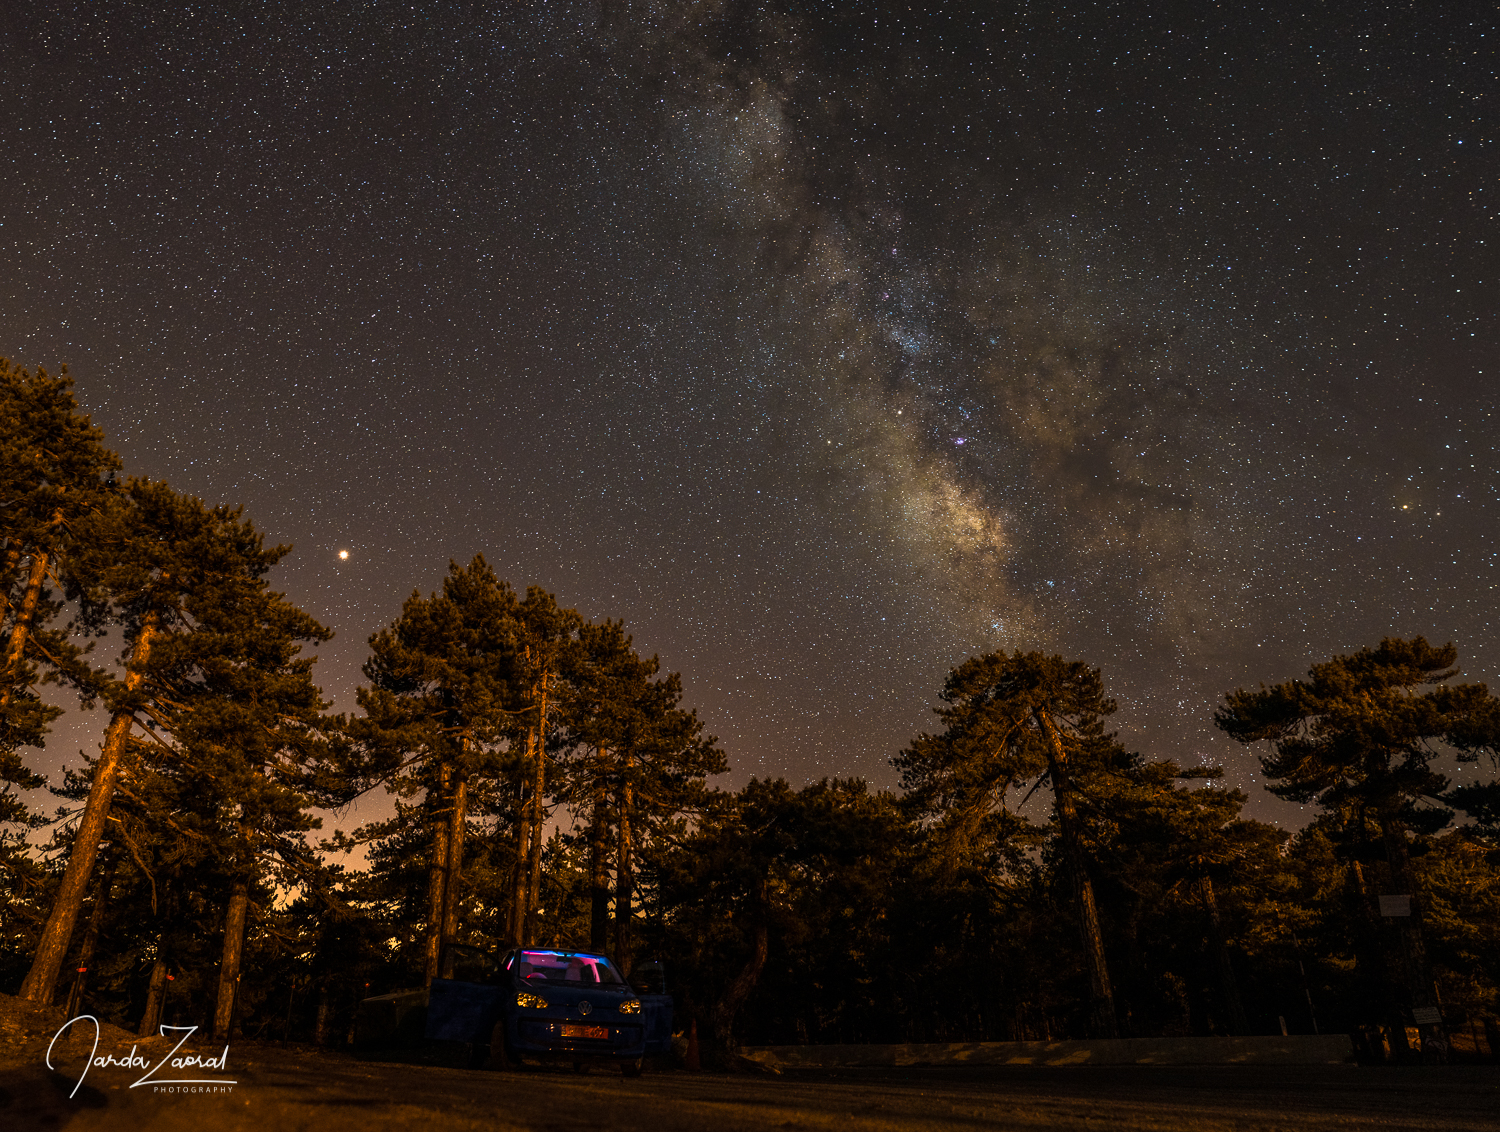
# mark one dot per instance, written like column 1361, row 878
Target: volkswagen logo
column 585, row 1008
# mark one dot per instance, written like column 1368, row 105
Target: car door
column 650, row 983
column 464, row 1006
column 656, row 1011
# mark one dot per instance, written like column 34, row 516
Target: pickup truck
column 541, row 1004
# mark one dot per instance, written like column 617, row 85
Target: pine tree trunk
column 624, row 872
column 52, row 946
column 90, row 941
column 15, row 649
column 599, row 867
column 437, row 872
column 1227, row 985
column 453, row 878
column 518, row 877
column 229, row 964
column 1420, row 991
column 1105, row 1025
column 155, row 994
column 538, row 815
column 735, row 994
column 13, row 549
column 517, row 918
column 325, row 1012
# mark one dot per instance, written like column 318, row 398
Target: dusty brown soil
column 280, row 1087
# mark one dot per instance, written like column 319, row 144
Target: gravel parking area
column 290, row 1088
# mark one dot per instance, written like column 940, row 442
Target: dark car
column 535, row 1003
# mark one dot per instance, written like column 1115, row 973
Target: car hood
column 560, row 994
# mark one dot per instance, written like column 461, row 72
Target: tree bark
column 229, row 964
column 1105, row 1025
column 516, row 922
column 52, row 946
column 538, row 815
column 624, row 870
column 90, row 941
column 437, row 872
column 325, row 1012
column 453, row 876
column 15, row 649
column 598, row 866
column 156, row 993
column 1227, row 984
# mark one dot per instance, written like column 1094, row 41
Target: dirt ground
column 277, row 1087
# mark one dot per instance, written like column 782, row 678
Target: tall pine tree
column 152, row 564
column 1359, row 738
column 438, row 712
column 53, row 465
column 1010, row 718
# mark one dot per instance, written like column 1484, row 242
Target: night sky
column 825, row 345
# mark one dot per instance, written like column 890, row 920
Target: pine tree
column 152, row 563
column 644, row 761
column 52, row 468
column 246, row 716
column 438, row 715
column 1010, row 718
column 1359, row 738
column 548, row 646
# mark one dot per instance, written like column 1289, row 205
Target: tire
column 632, row 1068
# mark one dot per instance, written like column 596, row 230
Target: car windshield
column 565, row 967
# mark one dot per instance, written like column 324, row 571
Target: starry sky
column 826, row 344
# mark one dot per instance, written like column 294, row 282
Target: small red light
column 81, row 970
column 171, row 978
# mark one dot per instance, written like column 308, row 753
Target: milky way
column 826, row 345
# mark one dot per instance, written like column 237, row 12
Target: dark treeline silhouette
column 1032, row 879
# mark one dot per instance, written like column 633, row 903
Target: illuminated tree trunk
column 52, row 946
column 624, row 870
column 453, row 877
column 538, row 818
column 229, row 964
column 437, row 872
column 523, row 845
column 15, row 649
column 599, row 866
column 156, row 993
column 1105, row 1025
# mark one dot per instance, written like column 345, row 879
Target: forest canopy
column 548, row 785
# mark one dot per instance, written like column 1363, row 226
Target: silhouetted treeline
column 1032, row 879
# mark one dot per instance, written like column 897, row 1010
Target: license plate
column 596, row 1033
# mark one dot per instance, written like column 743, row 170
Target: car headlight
column 531, row 1001
column 630, row 1006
